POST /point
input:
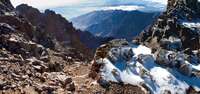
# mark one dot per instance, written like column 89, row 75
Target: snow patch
column 141, row 50
column 166, row 81
column 191, row 24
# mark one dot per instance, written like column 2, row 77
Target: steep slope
column 21, row 57
column 31, row 63
column 57, row 26
column 115, row 23
column 162, row 60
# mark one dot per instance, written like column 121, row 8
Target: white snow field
column 158, row 79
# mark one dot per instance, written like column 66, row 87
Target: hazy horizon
column 74, row 8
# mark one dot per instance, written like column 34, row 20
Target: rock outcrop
column 191, row 4
column 179, row 22
column 116, row 52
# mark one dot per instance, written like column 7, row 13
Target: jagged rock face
column 55, row 26
column 5, row 6
column 180, row 22
column 176, row 30
column 50, row 22
column 63, row 31
column 189, row 3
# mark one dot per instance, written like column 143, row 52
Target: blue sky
column 73, row 8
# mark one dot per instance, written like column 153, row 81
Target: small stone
column 71, row 87
column 25, row 77
column 2, row 84
column 65, row 80
column 37, row 67
column 185, row 69
column 45, row 58
column 38, row 74
column 55, row 67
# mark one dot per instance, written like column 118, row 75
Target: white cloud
column 123, row 7
column 164, row 2
column 44, row 4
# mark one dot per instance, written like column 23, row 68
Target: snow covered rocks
column 133, row 65
column 175, row 44
column 114, row 63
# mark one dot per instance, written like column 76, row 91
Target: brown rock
column 55, row 67
column 185, row 69
column 191, row 90
column 71, row 87
column 2, row 85
column 125, row 89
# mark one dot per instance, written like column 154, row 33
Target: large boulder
column 110, row 50
column 6, row 28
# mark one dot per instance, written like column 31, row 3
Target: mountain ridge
column 115, row 23
column 57, row 26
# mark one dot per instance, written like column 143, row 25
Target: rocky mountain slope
column 35, row 62
column 164, row 59
column 62, row 30
column 115, row 23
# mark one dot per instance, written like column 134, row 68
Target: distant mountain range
column 115, row 23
